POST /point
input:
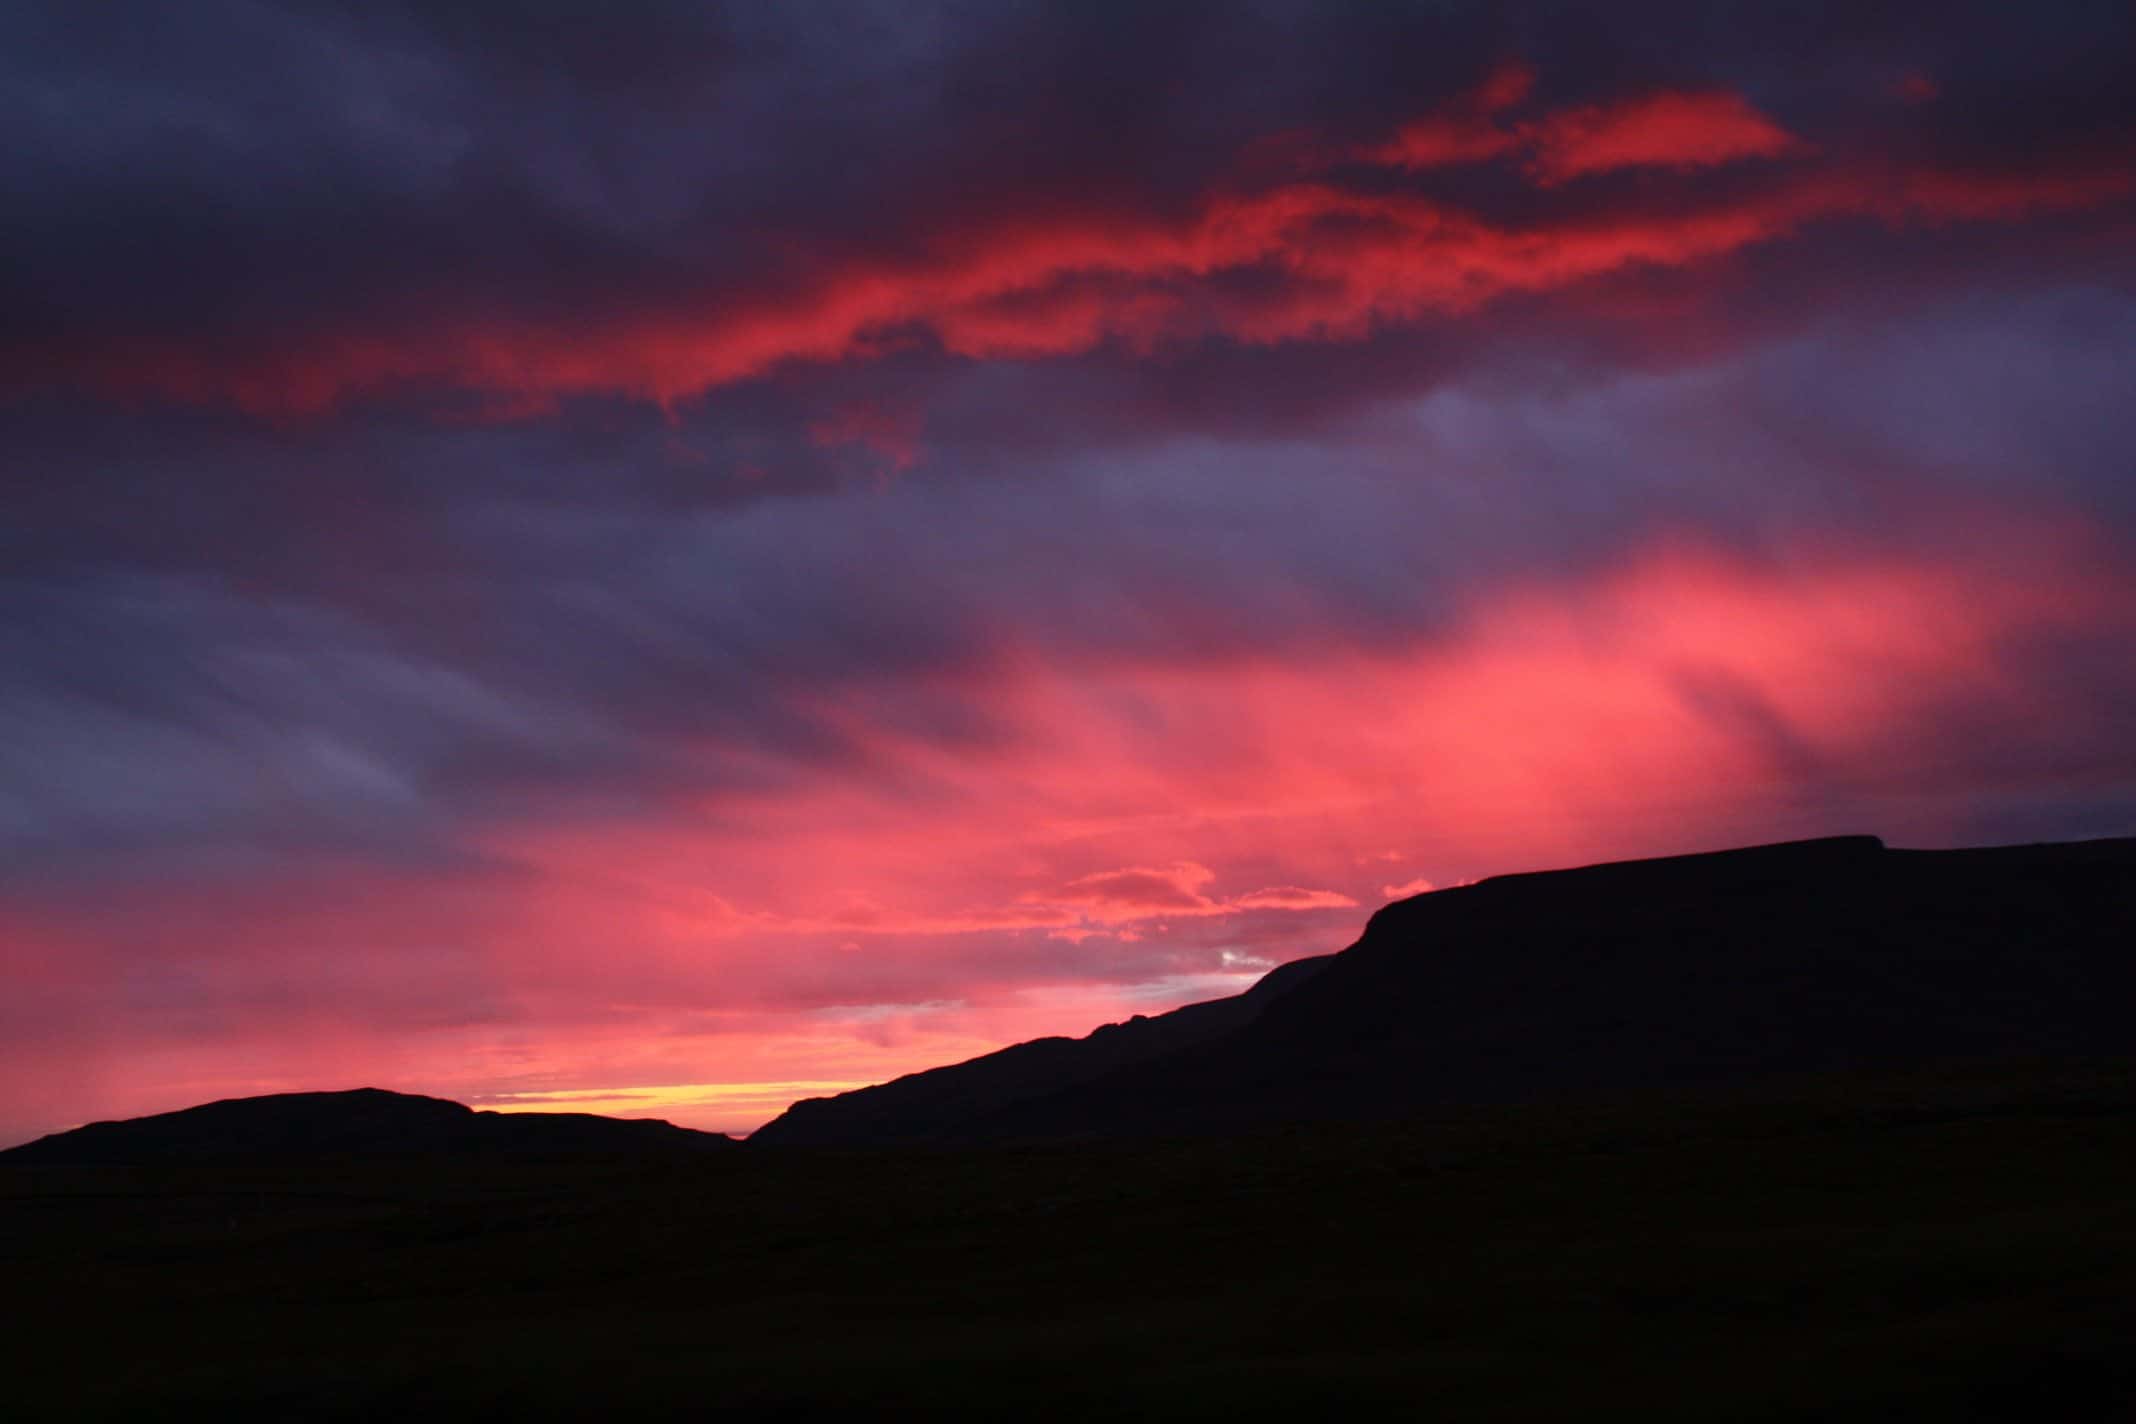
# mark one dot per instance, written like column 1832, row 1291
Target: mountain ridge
column 1716, row 966
column 1812, row 956
column 355, row 1121
column 915, row 1105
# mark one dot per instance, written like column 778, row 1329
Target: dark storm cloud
column 164, row 718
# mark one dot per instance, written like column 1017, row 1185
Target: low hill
column 367, row 1122
column 1808, row 957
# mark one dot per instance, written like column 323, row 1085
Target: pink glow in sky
column 1125, row 834
column 724, row 558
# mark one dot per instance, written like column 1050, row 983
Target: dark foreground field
column 1932, row 1250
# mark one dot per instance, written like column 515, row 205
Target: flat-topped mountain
column 1807, row 957
column 369, row 1122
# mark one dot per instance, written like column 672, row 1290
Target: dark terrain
column 1890, row 1250
column 1890, row 1176
column 361, row 1122
column 1814, row 956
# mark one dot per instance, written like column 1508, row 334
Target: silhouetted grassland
column 1907, row 1249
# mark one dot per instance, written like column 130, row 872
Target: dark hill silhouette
column 1808, row 957
column 923, row 1105
column 369, row 1122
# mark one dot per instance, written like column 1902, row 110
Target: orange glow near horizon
column 752, row 1103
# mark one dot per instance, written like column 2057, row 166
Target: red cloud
column 1504, row 88
column 1293, row 897
column 892, row 435
column 1329, row 259
column 1153, row 892
column 1141, row 891
column 1917, row 87
column 1666, row 130
column 1958, row 195
column 1464, row 132
column 1441, row 140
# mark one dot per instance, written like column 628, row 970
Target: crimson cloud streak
column 673, row 559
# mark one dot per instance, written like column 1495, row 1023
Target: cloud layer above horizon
column 677, row 556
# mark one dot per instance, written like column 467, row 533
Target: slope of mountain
column 922, row 1105
column 1807, row 957
column 363, row 1122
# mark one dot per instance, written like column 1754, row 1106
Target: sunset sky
column 669, row 558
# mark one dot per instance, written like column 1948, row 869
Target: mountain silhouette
column 367, row 1122
column 941, row 1101
column 1806, row 957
